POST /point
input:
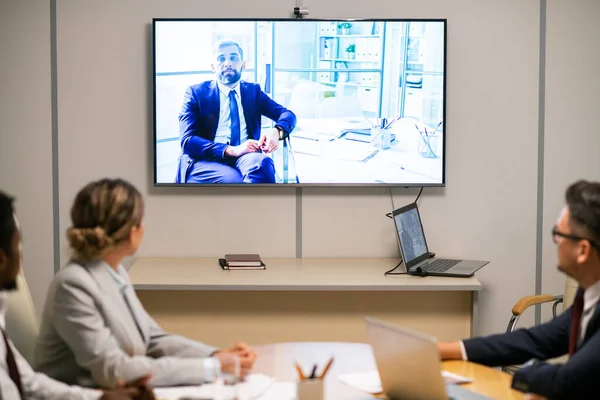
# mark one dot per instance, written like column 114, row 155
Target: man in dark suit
column 575, row 332
column 220, row 125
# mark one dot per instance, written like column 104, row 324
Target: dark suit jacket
column 199, row 118
column 577, row 379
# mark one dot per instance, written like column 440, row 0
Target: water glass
column 429, row 144
column 381, row 138
column 229, row 378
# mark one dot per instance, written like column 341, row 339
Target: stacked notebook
column 241, row 261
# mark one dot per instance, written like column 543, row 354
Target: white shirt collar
column 591, row 296
column 2, row 309
column 117, row 277
column 226, row 89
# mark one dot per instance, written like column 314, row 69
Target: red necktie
column 13, row 369
column 575, row 322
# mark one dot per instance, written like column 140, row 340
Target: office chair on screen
column 286, row 154
column 341, row 107
column 306, row 98
column 525, row 302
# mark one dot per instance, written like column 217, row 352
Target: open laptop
column 409, row 365
column 415, row 252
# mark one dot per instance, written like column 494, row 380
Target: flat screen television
column 299, row 102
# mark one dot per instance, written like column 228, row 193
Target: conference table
column 277, row 360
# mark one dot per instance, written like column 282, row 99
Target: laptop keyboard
column 440, row 265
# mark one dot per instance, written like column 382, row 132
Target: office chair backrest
column 21, row 320
column 341, row 107
column 306, row 98
column 571, row 286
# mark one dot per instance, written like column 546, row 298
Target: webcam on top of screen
column 300, row 12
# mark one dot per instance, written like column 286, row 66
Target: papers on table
column 256, row 386
column 366, row 381
column 280, row 391
column 371, row 383
column 451, row 378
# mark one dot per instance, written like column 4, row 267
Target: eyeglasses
column 556, row 233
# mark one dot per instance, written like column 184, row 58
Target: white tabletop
column 341, row 274
column 277, row 360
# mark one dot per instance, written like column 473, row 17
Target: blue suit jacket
column 576, row 379
column 199, row 118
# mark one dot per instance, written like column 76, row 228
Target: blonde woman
column 93, row 326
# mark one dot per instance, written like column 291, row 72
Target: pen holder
column 310, row 389
column 428, row 145
column 381, row 138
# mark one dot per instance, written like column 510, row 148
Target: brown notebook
column 243, row 261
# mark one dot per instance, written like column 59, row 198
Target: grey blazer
column 88, row 335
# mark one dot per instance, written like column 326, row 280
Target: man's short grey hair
column 227, row 42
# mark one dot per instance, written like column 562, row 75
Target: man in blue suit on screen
column 220, row 125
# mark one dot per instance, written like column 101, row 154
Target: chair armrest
column 528, row 301
column 520, row 307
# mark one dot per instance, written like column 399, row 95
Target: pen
column 436, row 128
column 326, row 368
column 391, row 123
column 425, row 139
column 370, row 156
column 300, row 373
column 313, row 374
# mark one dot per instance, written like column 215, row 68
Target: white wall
column 105, row 114
column 26, row 132
column 572, row 140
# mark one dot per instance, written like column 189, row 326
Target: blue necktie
column 234, row 115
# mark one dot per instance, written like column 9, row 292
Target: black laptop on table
column 416, row 255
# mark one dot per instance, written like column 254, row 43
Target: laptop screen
column 410, row 233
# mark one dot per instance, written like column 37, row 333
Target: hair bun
column 89, row 242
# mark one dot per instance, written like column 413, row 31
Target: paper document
column 350, row 150
column 366, row 381
column 452, row 378
column 280, row 391
column 253, row 388
column 371, row 383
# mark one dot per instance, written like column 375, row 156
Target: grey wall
column 572, row 139
column 26, row 132
column 488, row 209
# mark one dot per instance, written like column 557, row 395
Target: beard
column 9, row 285
column 230, row 76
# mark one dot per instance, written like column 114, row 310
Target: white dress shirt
column 591, row 296
column 35, row 385
column 590, row 299
column 224, row 127
column 2, row 309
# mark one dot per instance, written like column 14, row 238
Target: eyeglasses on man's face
column 556, row 234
